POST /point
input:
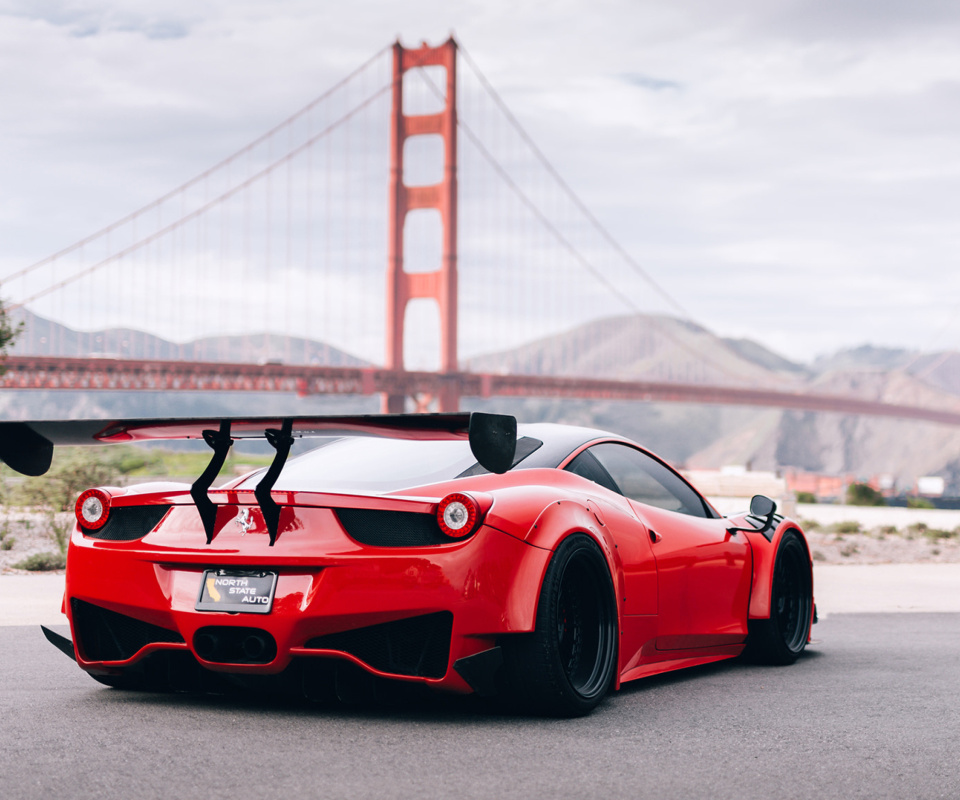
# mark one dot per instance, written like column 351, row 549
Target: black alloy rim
column 793, row 596
column 585, row 629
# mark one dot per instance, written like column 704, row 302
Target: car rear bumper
column 405, row 613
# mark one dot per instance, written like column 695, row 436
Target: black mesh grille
column 391, row 528
column 128, row 523
column 415, row 646
column 105, row 635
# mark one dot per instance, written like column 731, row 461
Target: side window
column 644, row 479
column 586, row 466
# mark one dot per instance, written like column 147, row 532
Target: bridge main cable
column 199, row 212
column 200, row 177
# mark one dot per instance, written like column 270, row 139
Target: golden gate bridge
column 486, row 246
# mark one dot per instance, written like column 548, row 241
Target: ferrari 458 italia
column 546, row 563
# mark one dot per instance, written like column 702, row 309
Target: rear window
column 378, row 465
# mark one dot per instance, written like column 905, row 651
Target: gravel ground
column 877, row 535
column 877, row 547
column 25, row 533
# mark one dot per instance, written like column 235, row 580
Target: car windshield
column 377, row 465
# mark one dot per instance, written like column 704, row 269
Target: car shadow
column 716, row 668
column 408, row 702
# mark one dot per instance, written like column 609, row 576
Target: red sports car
column 547, row 562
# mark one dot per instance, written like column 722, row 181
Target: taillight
column 93, row 509
column 458, row 515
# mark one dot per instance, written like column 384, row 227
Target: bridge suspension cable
column 569, row 192
column 579, row 257
column 198, row 212
column 199, row 178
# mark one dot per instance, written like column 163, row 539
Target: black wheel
column 568, row 664
column 781, row 639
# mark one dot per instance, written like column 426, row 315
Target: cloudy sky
column 787, row 171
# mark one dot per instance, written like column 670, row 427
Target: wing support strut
column 280, row 440
column 220, row 441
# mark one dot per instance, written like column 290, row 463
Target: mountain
column 758, row 354
column 840, row 444
column 709, row 437
column 643, row 347
column 43, row 337
column 865, row 357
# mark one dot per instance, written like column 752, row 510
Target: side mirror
column 762, row 506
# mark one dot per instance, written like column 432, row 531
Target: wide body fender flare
column 764, row 559
column 556, row 522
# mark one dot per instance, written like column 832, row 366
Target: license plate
column 237, row 590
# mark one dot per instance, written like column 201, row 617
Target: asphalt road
column 872, row 711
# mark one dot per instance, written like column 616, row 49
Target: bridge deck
column 109, row 374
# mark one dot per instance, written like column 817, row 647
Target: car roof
column 558, row 442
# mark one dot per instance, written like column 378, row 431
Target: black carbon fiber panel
column 415, row 646
column 391, row 528
column 128, row 523
column 105, row 635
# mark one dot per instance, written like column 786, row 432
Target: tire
column 567, row 665
column 782, row 638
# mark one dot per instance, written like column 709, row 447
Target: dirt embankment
column 879, row 535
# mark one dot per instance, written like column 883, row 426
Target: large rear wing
column 27, row 447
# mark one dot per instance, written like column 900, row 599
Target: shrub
column 59, row 530
column 7, row 543
column 934, row 534
column 849, row 550
column 73, row 471
column 860, row 494
column 810, row 525
column 806, row 497
column 42, row 562
column 846, row 526
column 919, row 502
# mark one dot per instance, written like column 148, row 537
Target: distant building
column 823, row 487
column 931, row 486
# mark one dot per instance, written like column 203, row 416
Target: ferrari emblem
column 244, row 520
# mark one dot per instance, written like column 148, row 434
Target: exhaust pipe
column 221, row 644
column 254, row 646
column 206, row 645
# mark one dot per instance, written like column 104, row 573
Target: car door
column 703, row 572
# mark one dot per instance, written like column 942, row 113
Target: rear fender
column 563, row 518
column 764, row 559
